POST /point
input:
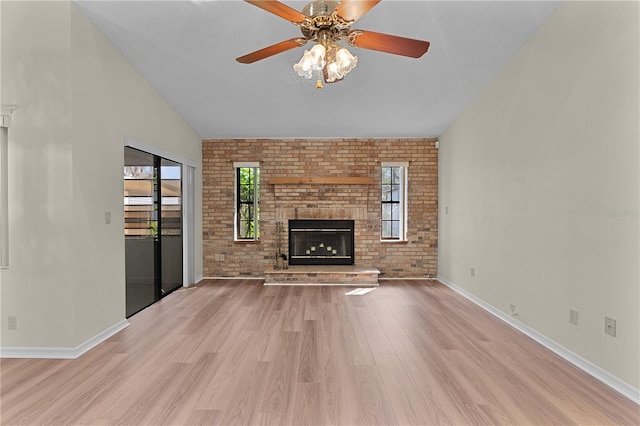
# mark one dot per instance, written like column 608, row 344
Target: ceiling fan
column 327, row 22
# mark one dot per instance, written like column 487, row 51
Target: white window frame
column 5, row 123
column 236, row 166
column 404, row 185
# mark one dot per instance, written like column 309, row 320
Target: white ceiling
column 187, row 49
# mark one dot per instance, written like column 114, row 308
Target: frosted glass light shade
column 312, row 61
column 343, row 63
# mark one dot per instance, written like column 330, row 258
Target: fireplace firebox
column 321, row 242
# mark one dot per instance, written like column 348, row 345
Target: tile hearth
column 338, row 275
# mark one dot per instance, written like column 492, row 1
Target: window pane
column 395, row 193
column 246, row 229
column 395, row 212
column 171, row 190
column 386, row 229
column 396, row 176
column 246, row 184
column 386, row 192
column 138, row 172
column 386, row 175
column 170, row 171
column 386, row 212
column 391, row 229
column 248, row 212
column 395, row 229
column 246, row 193
column 140, row 217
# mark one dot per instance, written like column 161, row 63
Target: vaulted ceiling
column 187, row 49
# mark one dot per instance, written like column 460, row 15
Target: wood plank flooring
column 236, row 352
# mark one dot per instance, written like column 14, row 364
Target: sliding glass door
column 170, row 226
column 153, row 228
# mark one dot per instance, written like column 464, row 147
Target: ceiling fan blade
column 388, row 43
column 352, row 10
column 274, row 49
column 280, row 9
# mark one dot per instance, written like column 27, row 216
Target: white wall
column 78, row 99
column 540, row 179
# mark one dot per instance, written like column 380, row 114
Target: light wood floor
column 236, row 352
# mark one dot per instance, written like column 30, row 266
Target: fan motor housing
column 320, row 8
column 323, row 20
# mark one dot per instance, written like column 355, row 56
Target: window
column 393, row 201
column 247, row 224
column 140, row 195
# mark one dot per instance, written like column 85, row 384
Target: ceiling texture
column 186, row 49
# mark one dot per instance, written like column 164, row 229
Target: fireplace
column 321, row 242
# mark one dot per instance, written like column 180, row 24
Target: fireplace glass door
column 321, row 242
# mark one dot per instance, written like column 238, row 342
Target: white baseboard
column 62, row 353
column 587, row 366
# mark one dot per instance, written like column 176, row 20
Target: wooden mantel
column 344, row 180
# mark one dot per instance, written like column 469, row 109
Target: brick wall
column 360, row 202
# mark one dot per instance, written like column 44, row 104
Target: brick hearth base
column 347, row 275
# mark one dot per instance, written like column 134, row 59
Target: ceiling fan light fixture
column 335, row 62
column 312, row 60
column 328, row 22
column 339, row 62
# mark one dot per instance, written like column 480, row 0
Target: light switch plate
column 610, row 326
column 573, row 316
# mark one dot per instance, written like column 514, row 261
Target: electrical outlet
column 573, row 316
column 473, row 272
column 13, row 323
column 216, row 257
column 610, row 326
column 513, row 309
column 107, row 218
